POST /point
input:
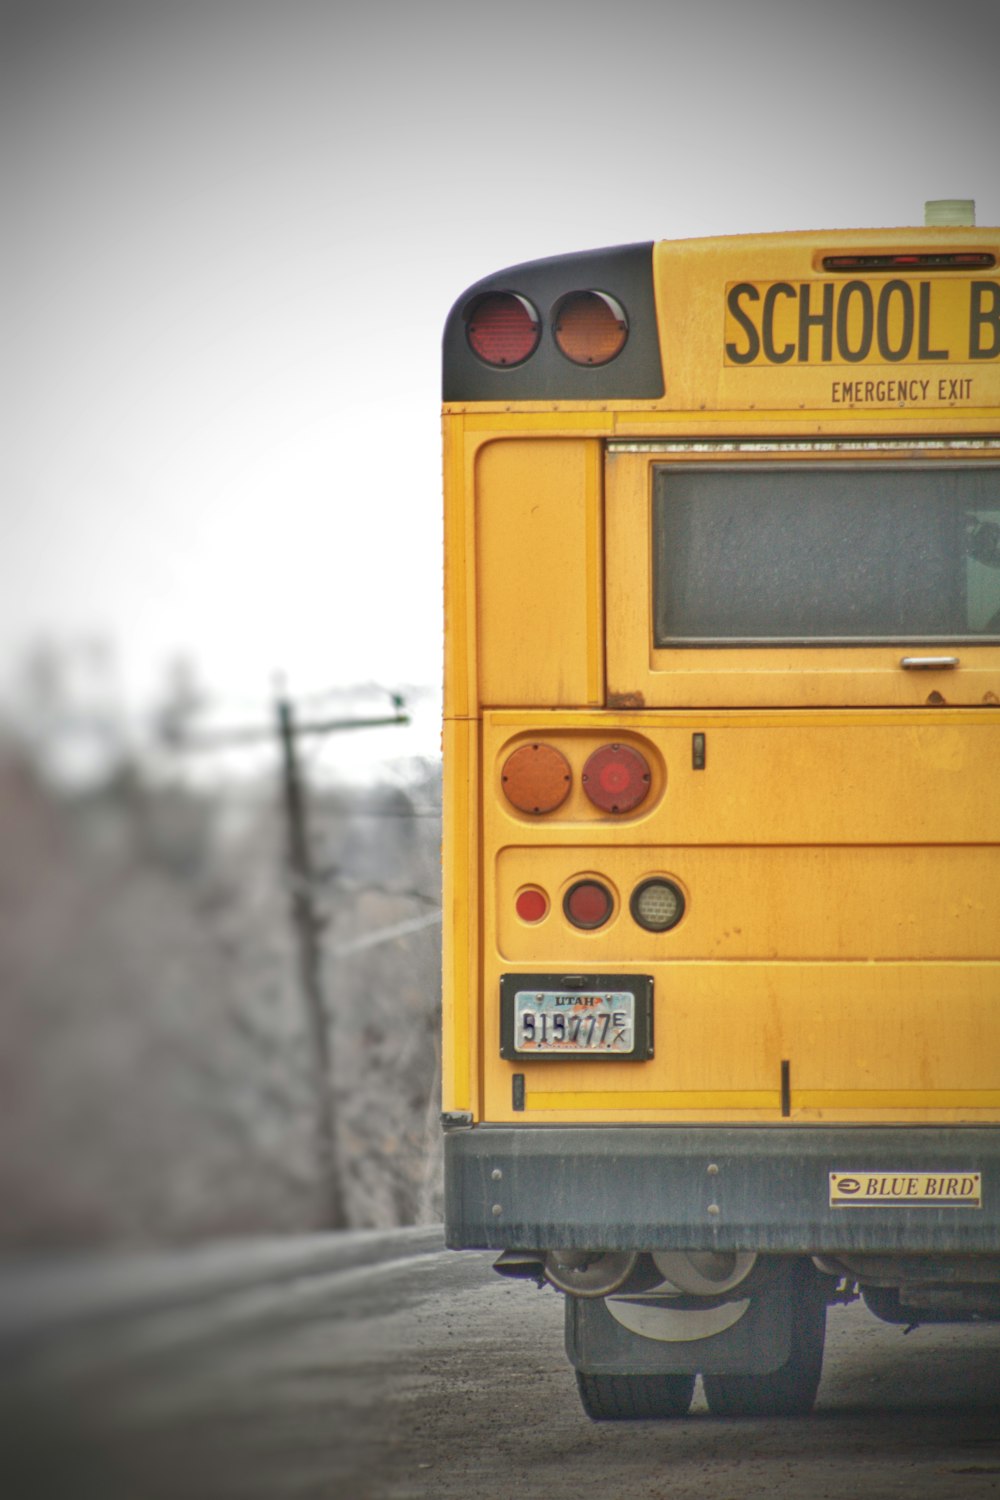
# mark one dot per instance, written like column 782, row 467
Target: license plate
column 551, row 1021
column 552, row 1016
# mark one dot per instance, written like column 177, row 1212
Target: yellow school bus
column 722, row 797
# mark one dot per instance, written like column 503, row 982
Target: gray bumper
column 721, row 1187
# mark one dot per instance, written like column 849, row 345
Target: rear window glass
column 839, row 553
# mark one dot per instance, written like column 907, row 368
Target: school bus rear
column 722, row 730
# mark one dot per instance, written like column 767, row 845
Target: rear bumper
column 722, row 1187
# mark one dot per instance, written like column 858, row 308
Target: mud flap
column 650, row 1334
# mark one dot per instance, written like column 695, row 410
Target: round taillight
column 616, row 778
column 588, row 903
column 531, row 904
column 536, row 778
column 657, row 905
column 590, row 328
column 503, row 328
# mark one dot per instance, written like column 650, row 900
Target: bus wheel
column 790, row 1390
column 632, row 1398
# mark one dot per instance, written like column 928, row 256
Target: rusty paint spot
column 990, row 698
column 934, row 699
column 626, row 700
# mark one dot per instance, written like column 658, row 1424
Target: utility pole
column 306, row 922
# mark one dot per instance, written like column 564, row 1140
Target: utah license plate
column 548, row 1016
column 556, row 1021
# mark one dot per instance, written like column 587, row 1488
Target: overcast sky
column 233, row 231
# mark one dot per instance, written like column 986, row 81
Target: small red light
column 503, row 328
column 616, row 778
column 531, row 904
column 588, row 904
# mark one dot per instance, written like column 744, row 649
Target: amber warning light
column 590, row 328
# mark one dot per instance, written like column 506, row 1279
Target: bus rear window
column 841, row 553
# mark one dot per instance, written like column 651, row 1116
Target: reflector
column 590, row 328
column 503, row 328
column 616, row 778
column 536, row 778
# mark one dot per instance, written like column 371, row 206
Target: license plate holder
column 576, row 1017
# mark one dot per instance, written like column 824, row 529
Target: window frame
column 641, row 674
column 784, row 466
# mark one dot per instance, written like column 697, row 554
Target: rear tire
column 789, row 1391
column 634, row 1398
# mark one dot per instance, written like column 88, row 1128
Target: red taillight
column 616, row 778
column 588, row 903
column 590, row 328
column 531, row 904
column 536, row 778
column 503, row 328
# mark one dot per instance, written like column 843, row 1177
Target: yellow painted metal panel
column 461, row 966
column 808, row 338
column 905, row 777
column 686, row 1103
column 770, row 902
column 897, row 1099
column 863, row 1041
column 966, row 1104
column 459, row 580
column 842, row 865
column 539, row 572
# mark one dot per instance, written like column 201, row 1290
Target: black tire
column 789, row 1391
column 634, row 1398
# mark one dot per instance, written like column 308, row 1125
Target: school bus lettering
column 924, row 350
column 943, row 390
column 785, row 353
column 984, row 320
column 853, row 322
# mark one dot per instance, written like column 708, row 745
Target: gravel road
column 427, row 1377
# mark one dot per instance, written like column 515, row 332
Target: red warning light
column 588, row 904
column 616, row 778
column 503, row 328
column 531, row 904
